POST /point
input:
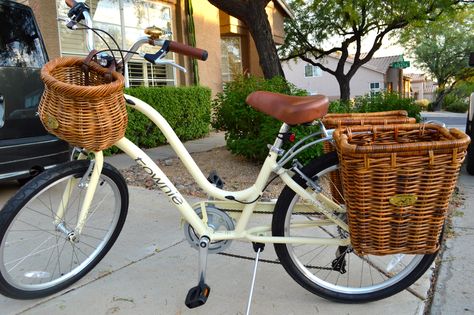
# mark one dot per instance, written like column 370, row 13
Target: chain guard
column 218, row 220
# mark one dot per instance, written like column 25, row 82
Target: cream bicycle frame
column 260, row 234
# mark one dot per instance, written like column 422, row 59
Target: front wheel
column 38, row 257
column 330, row 271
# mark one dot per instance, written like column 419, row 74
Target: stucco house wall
column 326, row 83
column 210, row 26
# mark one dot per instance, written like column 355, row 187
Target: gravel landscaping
column 237, row 173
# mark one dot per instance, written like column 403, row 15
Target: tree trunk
column 437, row 103
column 253, row 14
column 344, row 88
column 261, row 32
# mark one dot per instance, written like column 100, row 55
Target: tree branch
column 318, row 64
column 235, row 8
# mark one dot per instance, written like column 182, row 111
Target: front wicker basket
column 92, row 114
column 397, row 182
column 338, row 120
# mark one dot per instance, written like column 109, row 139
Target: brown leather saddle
column 293, row 110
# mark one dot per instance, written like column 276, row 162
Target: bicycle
column 58, row 226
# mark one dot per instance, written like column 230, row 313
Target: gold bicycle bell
column 154, row 32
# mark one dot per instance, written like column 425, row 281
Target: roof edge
column 286, row 8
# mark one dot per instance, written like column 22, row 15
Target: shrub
column 187, row 110
column 387, row 101
column 338, row 106
column 454, row 103
column 249, row 131
column 423, row 103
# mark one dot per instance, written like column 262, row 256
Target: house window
column 231, row 52
column 312, row 71
column 125, row 20
column 146, row 74
column 375, row 86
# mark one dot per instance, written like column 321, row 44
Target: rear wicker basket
column 333, row 121
column 91, row 115
column 393, row 117
column 397, row 181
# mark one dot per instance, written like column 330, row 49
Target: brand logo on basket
column 172, row 194
column 52, row 122
column 403, row 200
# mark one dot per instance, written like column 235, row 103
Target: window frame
column 316, row 72
column 122, row 40
column 229, row 74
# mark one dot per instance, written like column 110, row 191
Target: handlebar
column 70, row 3
column 80, row 11
column 180, row 48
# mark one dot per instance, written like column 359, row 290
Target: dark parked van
column 25, row 146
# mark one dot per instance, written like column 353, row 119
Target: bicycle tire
column 37, row 258
column 325, row 280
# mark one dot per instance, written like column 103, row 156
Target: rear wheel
column 331, row 271
column 38, row 257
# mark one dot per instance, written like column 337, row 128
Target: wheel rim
column 36, row 255
column 366, row 274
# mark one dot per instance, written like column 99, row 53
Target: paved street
column 452, row 120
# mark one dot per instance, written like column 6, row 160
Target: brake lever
column 69, row 23
column 171, row 63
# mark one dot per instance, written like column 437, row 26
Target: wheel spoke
column 36, row 256
column 335, row 271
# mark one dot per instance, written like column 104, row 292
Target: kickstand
column 258, row 247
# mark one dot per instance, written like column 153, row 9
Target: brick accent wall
column 45, row 14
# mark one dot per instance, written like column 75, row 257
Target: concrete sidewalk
column 213, row 140
column 151, row 267
column 454, row 289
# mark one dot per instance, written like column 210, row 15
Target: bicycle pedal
column 197, row 296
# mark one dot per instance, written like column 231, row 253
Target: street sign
column 400, row 64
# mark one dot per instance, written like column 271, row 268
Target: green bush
column 379, row 102
column 423, row 103
column 187, row 110
column 249, row 131
column 454, row 103
column 387, row 101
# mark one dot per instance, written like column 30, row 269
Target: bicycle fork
column 89, row 181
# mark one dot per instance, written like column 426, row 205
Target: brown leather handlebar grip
column 70, row 3
column 179, row 48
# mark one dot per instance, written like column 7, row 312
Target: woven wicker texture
column 397, row 181
column 93, row 117
column 333, row 121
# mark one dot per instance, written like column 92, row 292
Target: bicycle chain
column 275, row 262
column 266, row 260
